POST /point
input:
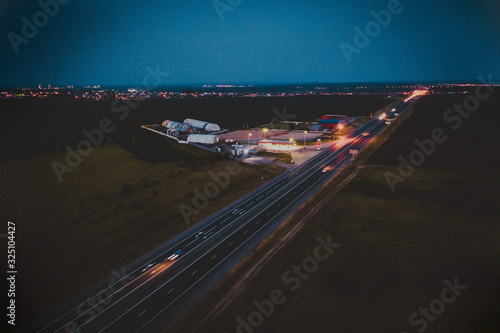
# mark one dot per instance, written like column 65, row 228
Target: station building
column 278, row 145
column 331, row 122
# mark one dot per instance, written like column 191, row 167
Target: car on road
column 326, row 169
column 148, row 266
column 175, row 255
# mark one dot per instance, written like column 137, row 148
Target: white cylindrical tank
column 209, row 127
column 208, row 139
column 178, row 126
column 167, row 123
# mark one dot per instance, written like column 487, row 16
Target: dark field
column 473, row 146
column 396, row 249
column 117, row 204
column 109, row 211
column 35, row 127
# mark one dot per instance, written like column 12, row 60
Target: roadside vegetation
column 110, row 210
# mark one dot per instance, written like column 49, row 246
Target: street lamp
column 291, row 140
column 341, row 126
column 265, row 130
column 305, row 132
column 249, row 135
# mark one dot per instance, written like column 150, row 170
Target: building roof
column 280, row 142
column 329, row 121
column 333, row 116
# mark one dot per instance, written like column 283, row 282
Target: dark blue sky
column 111, row 42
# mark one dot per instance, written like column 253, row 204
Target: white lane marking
column 141, row 313
column 214, row 257
column 222, row 222
column 192, row 241
column 194, row 272
column 245, row 232
column 257, row 222
column 211, row 229
column 171, row 290
column 230, row 243
column 208, row 235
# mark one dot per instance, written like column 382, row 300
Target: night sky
column 111, row 42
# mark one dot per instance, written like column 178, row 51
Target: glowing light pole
column 305, row 132
column 249, row 135
column 341, row 126
column 265, row 130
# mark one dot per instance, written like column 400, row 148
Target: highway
column 141, row 301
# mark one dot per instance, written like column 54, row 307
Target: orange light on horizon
column 417, row 93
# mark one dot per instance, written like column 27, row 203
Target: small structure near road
column 315, row 128
column 207, row 139
column 331, row 122
column 278, row 145
column 202, row 125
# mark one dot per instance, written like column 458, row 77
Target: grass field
column 37, row 127
column 122, row 201
column 108, row 211
column 472, row 146
column 282, row 158
column 394, row 255
column 396, row 249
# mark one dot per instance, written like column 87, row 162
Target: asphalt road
column 141, row 300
